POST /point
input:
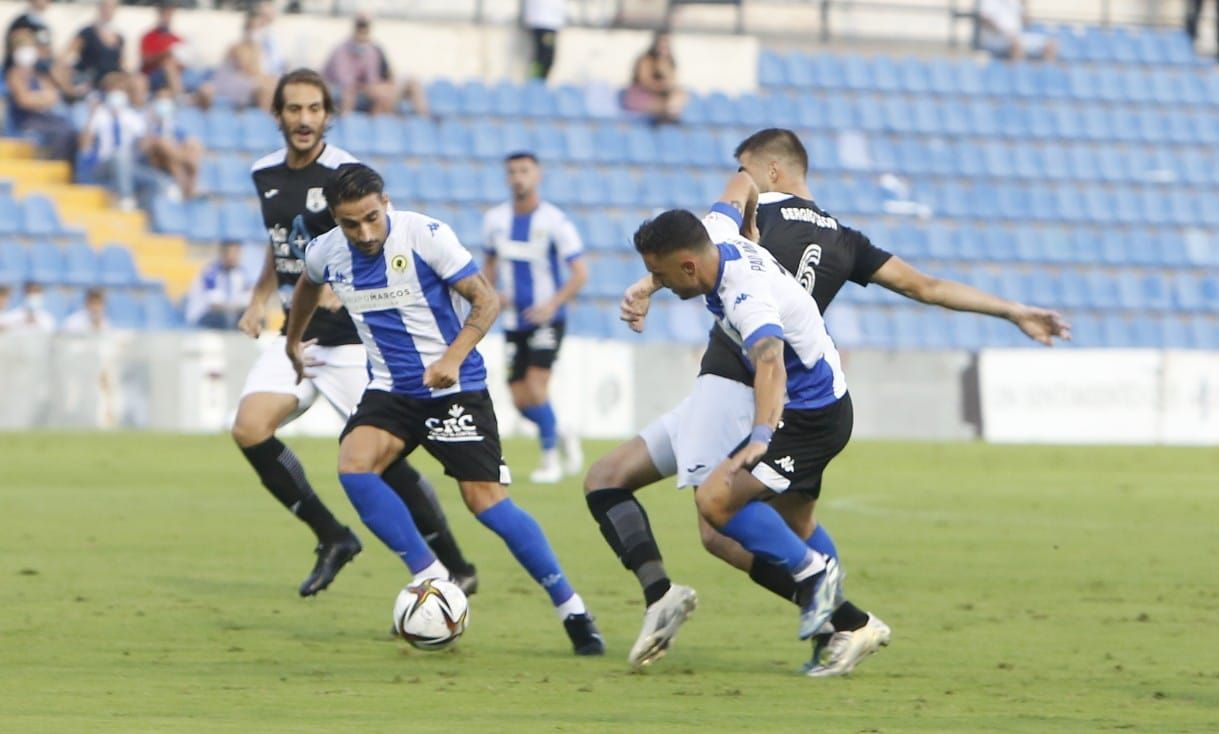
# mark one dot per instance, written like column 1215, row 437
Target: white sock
column 814, row 563
column 434, row 571
column 574, row 605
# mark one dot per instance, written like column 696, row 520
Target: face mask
column 164, row 107
column 35, row 301
column 116, row 99
column 105, row 27
column 25, row 56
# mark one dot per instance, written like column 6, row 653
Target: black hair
column 522, row 155
column 778, row 141
column 676, row 229
column 301, row 76
column 352, row 182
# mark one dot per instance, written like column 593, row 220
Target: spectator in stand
column 114, row 142
column 161, row 58
column 170, row 150
column 31, row 20
column 91, row 319
column 1001, row 31
column 221, row 292
column 240, row 80
column 31, row 316
column 544, row 19
column 654, row 91
column 33, row 98
column 359, row 71
column 1193, row 11
column 97, row 49
column 272, row 56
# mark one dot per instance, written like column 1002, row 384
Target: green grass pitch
column 148, row 584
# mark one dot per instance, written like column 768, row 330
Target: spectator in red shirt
column 161, row 52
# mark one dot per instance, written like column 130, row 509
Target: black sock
column 773, row 578
column 848, row 618
column 281, row 473
column 420, row 498
column 624, row 523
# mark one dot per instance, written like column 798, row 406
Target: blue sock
column 387, row 517
column 821, row 542
column 529, row 545
column 543, row 416
column 763, row 533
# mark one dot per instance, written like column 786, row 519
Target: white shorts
column 341, row 380
column 701, row 431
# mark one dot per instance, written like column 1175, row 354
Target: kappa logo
column 459, row 427
column 786, row 464
column 432, row 227
column 740, row 299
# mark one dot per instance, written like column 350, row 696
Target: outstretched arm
column 251, row 320
column 741, row 193
column 305, row 298
column 1039, row 324
column 484, row 308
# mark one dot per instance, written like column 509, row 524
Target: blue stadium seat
column 14, row 264
column 914, row 76
column 444, row 98
column 400, row 182
column 670, row 143
column 559, row 186
column 546, row 141
column 1073, row 289
column 507, row 99
column 587, row 319
column 570, row 103
column 453, row 139
column 623, row 190
column 223, row 132
column 240, row 221
column 233, row 176
column 611, row 145
column 421, row 137
column 202, row 221
column 538, row 100
column 46, row 263
column 116, row 267
column 474, row 99
column 10, row 214
column 463, row 185
column 158, row 312
column 641, row 145
column 828, row 72
column 1102, row 290
column 258, row 132
column 387, row 136
column 39, row 218
column 122, row 310
column 593, row 189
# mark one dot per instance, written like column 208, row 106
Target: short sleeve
column 750, row 310
column 723, row 222
column 567, row 240
column 866, row 258
column 315, row 261
column 489, row 232
column 438, row 246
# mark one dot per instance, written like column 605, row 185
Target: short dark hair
column 301, row 76
column 522, row 155
column 676, row 229
column 777, row 141
column 352, row 182
column 95, row 294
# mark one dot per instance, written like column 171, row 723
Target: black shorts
column 459, row 430
column 532, row 348
column 803, row 446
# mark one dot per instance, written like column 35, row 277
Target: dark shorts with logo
column 803, row 446
column 459, row 430
column 532, row 348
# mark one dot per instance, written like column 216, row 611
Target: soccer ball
column 431, row 614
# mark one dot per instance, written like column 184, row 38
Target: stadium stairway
column 159, row 257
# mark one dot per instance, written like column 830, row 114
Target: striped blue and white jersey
column 401, row 300
column 755, row 297
column 533, row 250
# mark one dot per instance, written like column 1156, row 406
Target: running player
column 824, row 254
column 420, row 306
column 526, row 239
column 289, row 184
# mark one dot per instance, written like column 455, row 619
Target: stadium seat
column 79, row 265
column 116, row 267
column 444, row 98
column 240, row 221
column 202, row 221
column 421, row 137
column 46, row 263
column 570, row 103
column 39, row 218
column 233, row 176
column 158, row 312
column 122, row 310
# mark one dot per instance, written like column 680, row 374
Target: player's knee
column 712, row 506
column 603, row 474
column 357, row 463
column 247, row 433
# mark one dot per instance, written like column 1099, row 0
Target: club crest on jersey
column 315, row 200
column 398, row 263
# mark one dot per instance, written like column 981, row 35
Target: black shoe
column 585, row 637
column 331, row 557
column 467, row 582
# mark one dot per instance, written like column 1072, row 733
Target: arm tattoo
column 483, row 303
column 738, row 205
column 767, row 349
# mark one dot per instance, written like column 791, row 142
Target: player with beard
column 290, row 183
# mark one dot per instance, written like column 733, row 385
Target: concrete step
column 30, row 171
column 12, row 149
column 66, row 196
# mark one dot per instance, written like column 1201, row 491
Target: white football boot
column 847, row 649
column 660, row 624
column 549, row 470
column 573, row 454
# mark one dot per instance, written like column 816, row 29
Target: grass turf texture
column 147, row 583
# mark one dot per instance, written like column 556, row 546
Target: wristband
column 761, row 434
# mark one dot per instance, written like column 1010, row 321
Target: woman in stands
column 33, row 98
column 654, row 90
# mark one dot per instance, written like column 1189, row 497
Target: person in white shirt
column 221, row 292
column 528, row 241
column 1001, row 31
column 91, row 319
column 114, row 141
column 31, row 316
column 544, row 19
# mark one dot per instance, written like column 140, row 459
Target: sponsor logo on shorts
column 459, row 427
column 786, row 464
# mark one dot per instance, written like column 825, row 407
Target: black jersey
column 294, row 212
column 821, row 253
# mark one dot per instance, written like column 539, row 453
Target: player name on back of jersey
column 804, row 214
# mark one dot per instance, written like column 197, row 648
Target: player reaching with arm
column 526, row 239
column 420, row 307
column 289, row 183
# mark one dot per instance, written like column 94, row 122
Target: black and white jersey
column 294, row 212
column 813, row 246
